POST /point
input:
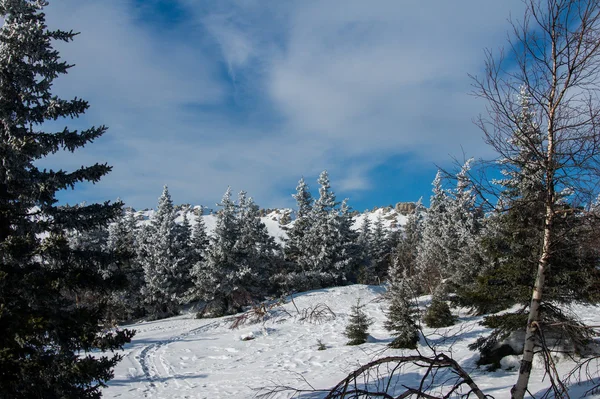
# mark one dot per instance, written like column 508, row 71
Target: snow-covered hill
column 391, row 217
column 184, row 357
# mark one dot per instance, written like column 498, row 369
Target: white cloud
column 312, row 85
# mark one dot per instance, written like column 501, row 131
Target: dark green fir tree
column 47, row 332
column 401, row 316
column 512, row 245
column 438, row 313
column 357, row 329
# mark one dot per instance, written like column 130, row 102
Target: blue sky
column 254, row 94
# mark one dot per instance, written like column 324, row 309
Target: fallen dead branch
column 259, row 313
column 317, row 314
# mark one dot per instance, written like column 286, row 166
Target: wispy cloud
column 255, row 94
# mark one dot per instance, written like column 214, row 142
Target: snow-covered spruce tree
column 220, row 279
column 438, row 312
column 122, row 244
column 331, row 249
column 256, row 250
column 166, row 272
column 462, row 232
column 296, row 248
column 512, row 244
column 431, row 254
column 379, row 251
column 363, row 241
column 200, row 241
column 199, row 246
column 346, row 250
column 185, row 255
column 322, row 235
column 46, row 335
column 89, row 240
column 404, row 256
column 402, row 315
column 554, row 50
column 357, row 329
column 514, row 228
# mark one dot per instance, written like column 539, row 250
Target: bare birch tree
column 554, row 56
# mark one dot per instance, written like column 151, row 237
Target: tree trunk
column 519, row 389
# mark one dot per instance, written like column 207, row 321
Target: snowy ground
column 183, row 357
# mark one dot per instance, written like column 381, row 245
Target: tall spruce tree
column 199, row 237
column 402, row 315
column 122, row 244
column 220, row 279
column 346, row 250
column 199, row 244
column 555, row 51
column 462, row 231
column 46, row 335
column 160, row 253
column 364, row 237
column 380, row 252
column 185, row 255
column 404, row 258
column 296, row 249
column 323, row 236
column 256, row 249
column 512, row 243
column 431, row 255
column 363, row 241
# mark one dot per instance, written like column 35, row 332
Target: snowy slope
column 183, row 357
column 391, row 219
column 270, row 220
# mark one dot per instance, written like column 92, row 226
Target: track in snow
column 157, row 370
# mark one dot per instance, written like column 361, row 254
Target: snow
column 391, row 219
column 184, row 357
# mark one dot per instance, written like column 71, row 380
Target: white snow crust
column 184, row 357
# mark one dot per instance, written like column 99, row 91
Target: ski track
column 186, row 358
column 160, row 373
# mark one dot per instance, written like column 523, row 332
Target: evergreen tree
column 404, row 259
column 363, row 241
column 122, row 243
column 512, row 243
column 431, row 254
column 380, row 252
column 321, row 248
column 462, row 232
column 220, row 279
column 89, row 240
column 162, row 258
column 200, row 239
column 401, row 316
column 255, row 248
column 199, row 244
column 357, row 330
column 185, row 256
column 46, row 335
column 297, row 246
column 438, row 313
column 323, row 237
column 346, row 260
